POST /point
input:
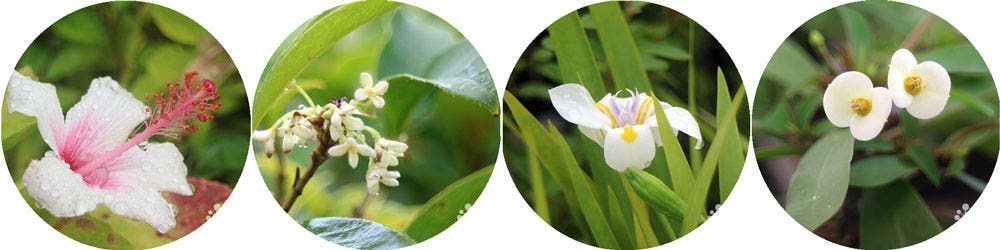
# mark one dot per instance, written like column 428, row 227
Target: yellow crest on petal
column 629, row 134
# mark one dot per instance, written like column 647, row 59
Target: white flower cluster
column 851, row 100
column 338, row 124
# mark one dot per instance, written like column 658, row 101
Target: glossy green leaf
column 438, row 212
column 306, row 43
column 574, row 54
column 792, row 67
column 877, row 171
column 357, row 233
column 956, row 58
column 731, row 165
column 619, row 47
column 176, row 26
column 895, row 216
column 694, row 215
column 14, row 126
column 408, row 91
column 819, row 184
column 558, row 160
column 925, row 160
column 681, row 177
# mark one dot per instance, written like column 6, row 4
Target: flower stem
column 319, row 155
column 305, row 95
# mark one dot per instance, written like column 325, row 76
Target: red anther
column 173, row 113
column 209, row 86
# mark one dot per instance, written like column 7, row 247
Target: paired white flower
column 625, row 127
column 95, row 158
column 343, row 119
column 378, row 175
column 371, row 91
column 389, row 152
column 352, row 148
column 297, row 130
column 922, row 89
column 851, row 100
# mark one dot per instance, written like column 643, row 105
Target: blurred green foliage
column 930, row 166
column 563, row 175
column 441, row 102
column 143, row 47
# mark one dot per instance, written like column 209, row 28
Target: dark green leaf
column 574, row 54
column 819, row 184
column 894, row 216
column 731, row 166
column 856, row 27
column 438, row 212
column 357, row 233
column 619, row 47
column 878, row 171
column 956, row 58
column 176, row 26
column 792, row 67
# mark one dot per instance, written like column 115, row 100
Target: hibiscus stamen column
column 171, row 116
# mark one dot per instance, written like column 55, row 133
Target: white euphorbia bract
column 96, row 158
column 922, row 89
column 625, row 127
column 851, row 100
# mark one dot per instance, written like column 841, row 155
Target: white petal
column 837, row 98
column 57, row 188
column 352, row 159
column 378, row 101
column 353, row 123
column 621, row 154
column 37, row 100
column 681, row 120
column 869, row 126
column 104, row 118
column 596, row 135
column 366, row 80
column 262, row 135
column 141, row 204
column 903, row 62
column 381, row 87
column 899, row 95
column 574, row 104
column 937, row 88
column 360, row 95
column 365, row 150
column 338, row 150
column 160, row 167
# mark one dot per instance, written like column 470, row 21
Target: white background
column 250, row 30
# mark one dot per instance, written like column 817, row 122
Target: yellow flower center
column 629, row 134
column 913, row 84
column 861, row 105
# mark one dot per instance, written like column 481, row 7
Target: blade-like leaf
column 894, row 216
column 677, row 163
column 878, row 171
column 819, row 184
column 438, row 212
column 574, row 54
column 619, row 47
column 306, row 43
column 729, row 167
column 357, row 233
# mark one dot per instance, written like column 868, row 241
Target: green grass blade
column 538, row 188
column 557, row 158
column 692, row 102
column 729, row 167
column 703, row 181
column 680, row 171
column 626, row 239
column 574, row 54
column 619, row 47
column 306, row 43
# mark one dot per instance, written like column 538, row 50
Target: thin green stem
column 305, row 95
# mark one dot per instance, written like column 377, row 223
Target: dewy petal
column 37, row 100
column 159, row 167
column 681, row 120
column 937, row 88
column 837, row 98
column 58, row 189
column 574, row 104
column 620, row 154
column 867, row 127
column 142, row 204
column 104, row 118
column 596, row 135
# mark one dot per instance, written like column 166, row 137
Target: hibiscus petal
column 141, row 204
column 160, row 167
column 58, row 189
column 37, row 100
column 837, row 98
column 624, row 148
column 102, row 120
column 869, row 126
column 574, row 104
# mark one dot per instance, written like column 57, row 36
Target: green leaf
column 656, row 194
column 574, row 54
column 92, row 231
column 357, row 233
column 71, row 59
column 418, row 40
column 729, row 167
column 14, row 126
column 956, row 58
column 664, row 50
column 792, row 67
column 83, row 26
column 925, row 160
column 408, row 91
column 977, row 104
column 438, row 213
column 894, row 216
column 703, row 181
column 306, row 43
column 562, row 166
column 619, row 47
column 877, row 171
column 819, row 184
column 681, row 177
column 856, row 27
column 176, row 26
